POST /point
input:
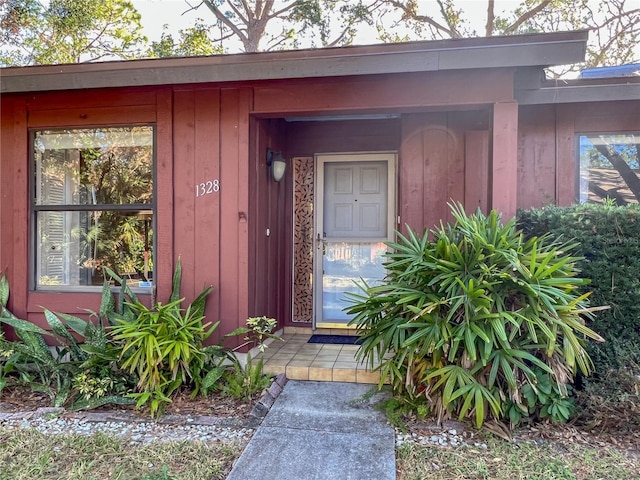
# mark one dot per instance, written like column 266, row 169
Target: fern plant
column 469, row 312
column 245, row 381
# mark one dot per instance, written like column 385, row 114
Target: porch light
column 276, row 162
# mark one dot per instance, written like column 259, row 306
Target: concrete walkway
column 317, row 431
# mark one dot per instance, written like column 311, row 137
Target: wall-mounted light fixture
column 277, row 164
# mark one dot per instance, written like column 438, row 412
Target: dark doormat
column 335, row 339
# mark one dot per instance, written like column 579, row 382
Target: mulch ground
column 559, row 434
column 15, row 399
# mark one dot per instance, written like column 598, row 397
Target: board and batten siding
column 547, row 157
column 195, row 129
column 455, row 141
column 210, row 231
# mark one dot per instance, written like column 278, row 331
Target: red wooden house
column 134, row 163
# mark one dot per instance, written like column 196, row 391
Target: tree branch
column 411, row 14
column 526, row 16
column 491, row 18
column 239, row 13
column 627, row 174
column 228, row 23
column 337, row 40
column 283, row 10
column 448, row 19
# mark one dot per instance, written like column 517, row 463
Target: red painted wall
column 210, row 232
column 221, row 132
column 270, row 226
column 433, row 170
column 195, row 129
column 547, row 146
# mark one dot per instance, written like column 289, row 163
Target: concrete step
column 321, row 431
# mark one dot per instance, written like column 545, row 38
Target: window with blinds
column 93, row 206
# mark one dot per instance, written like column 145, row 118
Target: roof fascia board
column 249, row 67
column 523, row 55
column 579, row 93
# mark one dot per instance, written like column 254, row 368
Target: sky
column 156, row 13
column 176, row 14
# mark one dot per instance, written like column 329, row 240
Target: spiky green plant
column 53, row 369
column 164, row 345
column 244, row 381
column 469, row 312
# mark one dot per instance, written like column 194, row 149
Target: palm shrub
column 475, row 320
column 164, row 345
column 609, row 238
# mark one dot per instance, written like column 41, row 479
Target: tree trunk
column 627, row 174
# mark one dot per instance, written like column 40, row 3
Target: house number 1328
column 205, row 188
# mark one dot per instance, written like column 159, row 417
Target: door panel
column 355, row 199
column 354, row 217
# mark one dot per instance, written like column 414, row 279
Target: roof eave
column 578, row 92
column 384, row 59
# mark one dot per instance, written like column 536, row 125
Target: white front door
column 355, row 212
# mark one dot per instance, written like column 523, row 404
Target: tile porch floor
column 300, row 360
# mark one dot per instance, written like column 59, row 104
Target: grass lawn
column 515, row 461
column 31, row 455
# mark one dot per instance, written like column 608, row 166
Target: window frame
column 34, row 208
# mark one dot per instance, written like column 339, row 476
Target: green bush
column 471, row 316
column 128, row 351
column 608, row 239
column 164, row 345
column 62, row 371
column 245, row 381
column 612, row 401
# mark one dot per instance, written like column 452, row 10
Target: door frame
column 320, row 159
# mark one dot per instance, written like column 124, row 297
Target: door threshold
column 320, row 331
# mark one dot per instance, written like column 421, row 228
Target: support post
column 504, row 159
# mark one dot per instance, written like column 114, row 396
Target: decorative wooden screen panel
column 303, row 240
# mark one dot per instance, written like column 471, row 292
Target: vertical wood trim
column 6, row 225
column 19, row 167
column 9, row 155
column 234, row 207
column 566, row 178
column 455, row 165
column 439, row 150
column 258, row 214
column 476, row 172
column 230, row 214
column 184, row 188
column 244, row 107
column 164, row 254
column 283, row 249
column 504, row 165
column 256, row 133
column 411, row 171
column 207, row 207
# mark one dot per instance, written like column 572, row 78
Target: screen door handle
column 320, row 243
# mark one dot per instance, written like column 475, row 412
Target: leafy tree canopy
column 614, row 24
column 192, row 41
column 68, row 31
column 62, row 31
column 272, row 25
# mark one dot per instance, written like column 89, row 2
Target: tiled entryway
column 300, row 360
